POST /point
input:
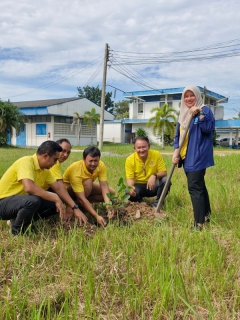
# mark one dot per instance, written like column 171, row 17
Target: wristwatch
column 75, row 206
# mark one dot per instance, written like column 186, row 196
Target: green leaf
column 125, row 197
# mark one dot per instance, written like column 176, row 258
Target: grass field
column 142, row 271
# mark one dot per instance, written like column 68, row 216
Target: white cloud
column 43, row 41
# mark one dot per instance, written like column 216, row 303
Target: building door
column 21, row 139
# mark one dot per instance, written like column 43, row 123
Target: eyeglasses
column 144, row 169
column 54, row 159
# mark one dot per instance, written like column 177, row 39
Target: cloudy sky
column 48, row 48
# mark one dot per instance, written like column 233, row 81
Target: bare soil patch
column 125, row 214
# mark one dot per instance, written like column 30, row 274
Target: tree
column 238, row 117
column 121, row 109
column 91, row 118
column 94, row 94
column 160, row 123
column 10, row 117
column 77, row 120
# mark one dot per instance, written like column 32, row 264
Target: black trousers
column 142, row 191
column 199, row 195
column 24, row 209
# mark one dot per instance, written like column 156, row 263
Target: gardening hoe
column 164, row 192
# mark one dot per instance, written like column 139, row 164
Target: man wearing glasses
column 145, row 172
column 23, row 195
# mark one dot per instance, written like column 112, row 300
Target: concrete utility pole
column 103, row 98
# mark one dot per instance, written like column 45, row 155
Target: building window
column 41, row 119
column 68, row 130
column 140, row 107
column 177, row 96
column 41, row 129
column 59, row 119
column 161, row 104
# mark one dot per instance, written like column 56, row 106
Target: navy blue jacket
column 199, row 153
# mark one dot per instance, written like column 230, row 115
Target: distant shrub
column 140, row 132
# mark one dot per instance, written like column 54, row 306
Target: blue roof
column 227, row 123
column 171, row 91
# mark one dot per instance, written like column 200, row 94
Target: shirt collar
column 35, row 162
column 86, row 170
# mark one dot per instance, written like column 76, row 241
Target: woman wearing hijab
column 196, row 153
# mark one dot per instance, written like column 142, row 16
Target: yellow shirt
column 139, row 171
column 24, row 168
column 184, row 146
column 56, row 171
column 77, row 172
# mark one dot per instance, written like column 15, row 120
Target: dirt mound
column 125, row 214
column 133, row 211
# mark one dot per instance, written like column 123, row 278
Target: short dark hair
column 60, row 141
column 50, row 147
column 142, row 138
column 92, row 151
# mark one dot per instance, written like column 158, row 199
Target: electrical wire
column 95, row 74
column 231, row 48
column 61, row 79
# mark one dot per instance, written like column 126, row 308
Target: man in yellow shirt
column 145, row 172
column 23, row 195
column 63, row 156
column 79, row 179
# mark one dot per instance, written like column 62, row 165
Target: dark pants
column 142, row 191
column 199, row 195
column 24, row 209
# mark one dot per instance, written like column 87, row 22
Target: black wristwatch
column 75, row 206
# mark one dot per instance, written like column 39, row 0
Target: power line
column 95, row 74
column 61, row 79
column 129, row 58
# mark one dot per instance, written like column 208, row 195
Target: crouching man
column 23, row 195
column 79, row 179
column 145, row 172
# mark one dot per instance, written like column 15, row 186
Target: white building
column 52, row 119
column 123, row 131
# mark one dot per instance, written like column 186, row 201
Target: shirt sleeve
column 207, row 123
column 75, row 182
column 102, row 173
column 25, row 169
column 129, row 168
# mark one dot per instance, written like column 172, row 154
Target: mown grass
column 158, row 270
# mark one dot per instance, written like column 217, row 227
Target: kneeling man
column 23, row 190
column 145, row 172
column 79, row 178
